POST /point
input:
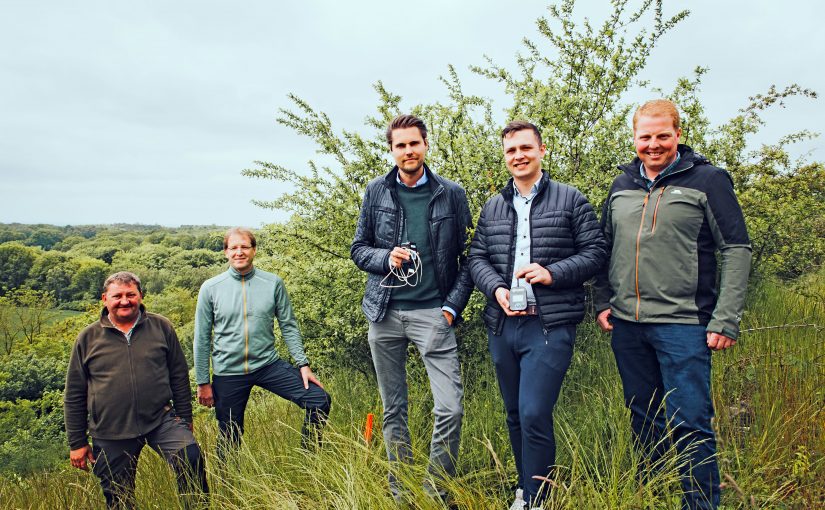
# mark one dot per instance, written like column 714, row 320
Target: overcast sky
column 146, row 112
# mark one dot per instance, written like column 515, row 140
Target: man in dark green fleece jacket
column 128, row 386
column 665, row 218
column 234, row 323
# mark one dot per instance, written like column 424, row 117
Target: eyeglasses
column 241, row 248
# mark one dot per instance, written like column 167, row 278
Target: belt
column 532, row 309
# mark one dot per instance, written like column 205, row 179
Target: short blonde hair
column 658, row 108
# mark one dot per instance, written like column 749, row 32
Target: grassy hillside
column 769, row 398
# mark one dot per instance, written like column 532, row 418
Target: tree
column 16, row 261
column 572, row 83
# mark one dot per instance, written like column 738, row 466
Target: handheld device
column 518, row 298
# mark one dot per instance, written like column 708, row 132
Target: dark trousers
column 530, row 365
column 232, row 393
column 116, row 463
column 665, row 371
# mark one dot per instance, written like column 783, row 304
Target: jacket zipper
column 638, row 243
column 438, row 192
column 245, row 328
column 132, row 375
column 656, row 210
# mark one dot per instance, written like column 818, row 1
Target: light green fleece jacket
column 234, row 323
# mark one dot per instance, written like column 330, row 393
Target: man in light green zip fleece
column 234, row 323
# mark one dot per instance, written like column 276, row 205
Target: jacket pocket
column 384, row 222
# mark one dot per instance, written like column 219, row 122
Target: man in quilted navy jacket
column 412, row 204
column 542, row 236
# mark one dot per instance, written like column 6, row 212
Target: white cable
column 406, row 280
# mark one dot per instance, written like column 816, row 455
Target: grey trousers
column 435, row 340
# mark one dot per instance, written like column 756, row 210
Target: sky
column 147, row 112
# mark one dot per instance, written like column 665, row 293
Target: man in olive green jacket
column 234, row 323
column 125, row 371
column 665, row 218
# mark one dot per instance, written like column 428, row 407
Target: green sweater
column 416, row 229
column 234, row 323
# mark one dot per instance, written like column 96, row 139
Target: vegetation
column 768, row 390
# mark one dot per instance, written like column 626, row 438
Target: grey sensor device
column 518, row 298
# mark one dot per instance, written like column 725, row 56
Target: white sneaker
column 519, row 503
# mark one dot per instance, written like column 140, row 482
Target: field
column 769, row 399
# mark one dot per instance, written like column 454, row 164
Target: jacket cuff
column 729, row 330
column 78, row 442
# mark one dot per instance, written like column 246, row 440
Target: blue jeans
column 282, row 379
column 530, row 365
column 671, row 362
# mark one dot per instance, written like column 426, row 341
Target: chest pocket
column 678, row 216
column 384, row 220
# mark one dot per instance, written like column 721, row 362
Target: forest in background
column 571, row 82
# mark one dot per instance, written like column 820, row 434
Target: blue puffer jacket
column 379, row 231
column 565, row 238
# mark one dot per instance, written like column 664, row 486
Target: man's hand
column 503, row 298
column 534, row 273
column 80, row 456
column 719, row 342
column 448, row 316
column 205, row 395
column 398, row 256
column 603, row 320
column 308, row 377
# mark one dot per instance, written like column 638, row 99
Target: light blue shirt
column 420, row 182
column 522, row 205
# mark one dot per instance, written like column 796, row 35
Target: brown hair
column 658, row 108
column 520, row 125
column 239, row 231
column 404, row 122
column 124, row 278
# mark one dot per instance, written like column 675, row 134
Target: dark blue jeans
column 671, row 362
column 530, row 365
column 282, row 379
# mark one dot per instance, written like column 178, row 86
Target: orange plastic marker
column 368, row 428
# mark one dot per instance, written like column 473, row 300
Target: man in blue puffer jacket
column 543, row 237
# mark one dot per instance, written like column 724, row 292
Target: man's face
column 656, row 141
column 239, row 252
column 409, row 149
column 523, row 154
column 123, row 302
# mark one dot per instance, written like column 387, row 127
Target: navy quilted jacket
column 565, row 238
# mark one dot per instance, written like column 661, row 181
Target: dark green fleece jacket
column 118, row 389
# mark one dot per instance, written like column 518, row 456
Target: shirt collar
column 663, row 173
column 421, row 180
column 533, row 189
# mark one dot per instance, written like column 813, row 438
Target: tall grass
column 769, row 394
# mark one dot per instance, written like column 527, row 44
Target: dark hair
column 124, row 278
column 520, row 125
column 404, row 122
column 243, row 231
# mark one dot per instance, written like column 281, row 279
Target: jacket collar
column 687, row 160
column 432, row 178
column 508, row 192
column 106, row 322
column 237, row 275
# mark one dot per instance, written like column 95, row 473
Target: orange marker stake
column 368, row 428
